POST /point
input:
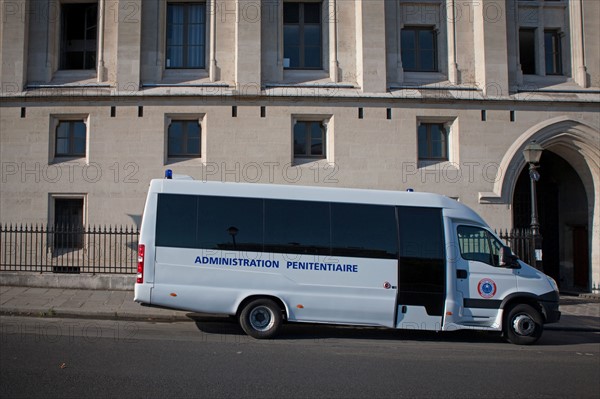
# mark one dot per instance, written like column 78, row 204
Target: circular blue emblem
column 486, row 288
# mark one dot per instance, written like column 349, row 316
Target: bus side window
column 479, row 245
column 297, row 227
column 362, row 230
column 176, row 217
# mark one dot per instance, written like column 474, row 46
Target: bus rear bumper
column 141, row 293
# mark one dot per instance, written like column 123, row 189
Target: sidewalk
column 83, row 303
column 578, row 313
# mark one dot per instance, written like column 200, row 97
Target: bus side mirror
column 507, row 259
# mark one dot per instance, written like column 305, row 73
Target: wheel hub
column 261, row 318
column 523, row 325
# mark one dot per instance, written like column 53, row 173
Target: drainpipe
column 100, row 68
column 453, row 67
column 212, row 69
column 333, row 64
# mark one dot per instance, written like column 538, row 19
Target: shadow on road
column 226, row 325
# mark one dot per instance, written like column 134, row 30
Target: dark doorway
column 68, row 223
column 563, row 217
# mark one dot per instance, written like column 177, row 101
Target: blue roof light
column 168, row 174
column 410, row 190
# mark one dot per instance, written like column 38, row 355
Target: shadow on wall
column 137, row 219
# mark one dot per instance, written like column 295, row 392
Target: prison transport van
column 269, row 254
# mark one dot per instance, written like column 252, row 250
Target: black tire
column 261, row 318
column 523, row 325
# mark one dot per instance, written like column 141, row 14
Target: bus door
column 421, row 269
column 480, row 280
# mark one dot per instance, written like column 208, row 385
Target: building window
column 186, row 35
column 78, row 36
column 70, row 139
column 552, row 52
column 527, row 51
column 184, row 139
column 419, row 49
column 309, row 139
column 68, row 223
column 432, row 141
column 302, row 35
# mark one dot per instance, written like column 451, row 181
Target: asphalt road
column 62, row 358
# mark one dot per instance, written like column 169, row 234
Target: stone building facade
column 100, row 96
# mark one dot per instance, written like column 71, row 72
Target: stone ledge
column 117, row 282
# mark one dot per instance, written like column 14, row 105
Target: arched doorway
column 563, row 218
column 576, row 144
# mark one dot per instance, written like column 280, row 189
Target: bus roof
column 452, row 207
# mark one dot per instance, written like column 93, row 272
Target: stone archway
column 576, row 143
column 563, row 216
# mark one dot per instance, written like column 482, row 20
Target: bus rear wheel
column 261, row 318
column 523, row 325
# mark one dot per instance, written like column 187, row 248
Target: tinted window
column 421, row 233
column 479, row 245
column 422, row 259
column 297, row 227
column 176, row 220
column 367, row 231
column 230, row 223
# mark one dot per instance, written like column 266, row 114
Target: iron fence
column 521, row 243
column 110, row 249
column 68, row 249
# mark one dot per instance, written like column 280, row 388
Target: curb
column 590, row 296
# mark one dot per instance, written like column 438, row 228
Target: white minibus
column 269, row 253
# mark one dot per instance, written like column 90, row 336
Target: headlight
column 553, row 283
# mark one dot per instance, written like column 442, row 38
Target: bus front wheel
column 523, row 325
column 261, row 318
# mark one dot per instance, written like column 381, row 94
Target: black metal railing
column 68, row 249
column 521, row 243
column 110, row 249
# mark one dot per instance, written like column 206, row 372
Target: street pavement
column 579, row 313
